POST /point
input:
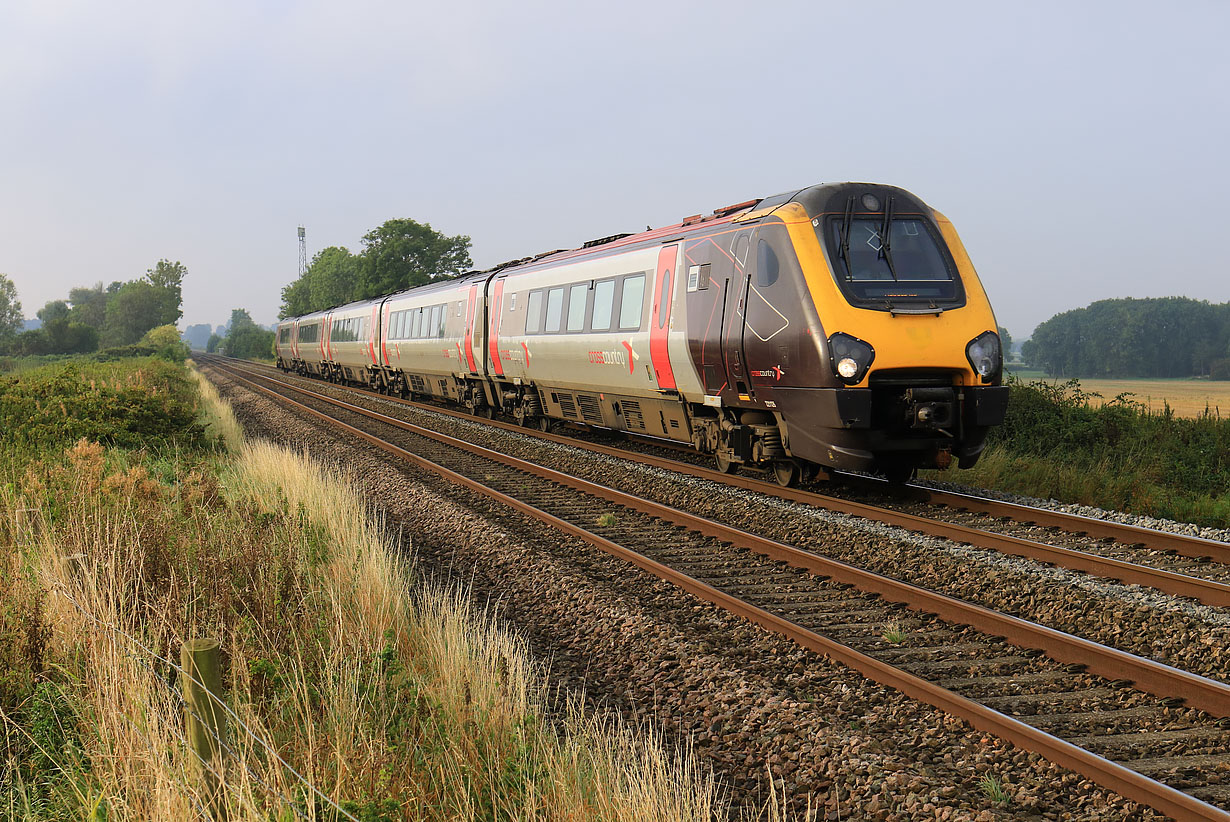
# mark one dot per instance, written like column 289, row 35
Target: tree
column 168, row 278
column 53, row 310
column 212, row 345
column 165, row 340
column 197, row 336
column 131, row 311
column 401, row 254
column 245, row 338
column 134, row 307
column 1005, row 341
column 89, row 305
column 1155, row 337
column 10, row 308
column 331, row 279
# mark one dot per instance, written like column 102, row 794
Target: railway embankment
column 134, row 515
column 757, row 707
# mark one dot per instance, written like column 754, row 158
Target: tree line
column 95, row 317
column 1132, row 338
column 400, row 254
column 244, row 338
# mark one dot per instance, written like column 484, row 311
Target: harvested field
column 1188, row 398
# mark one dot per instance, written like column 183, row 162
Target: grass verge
column 1062, row 442
column 361, row 693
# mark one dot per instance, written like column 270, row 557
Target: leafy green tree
column 1156, row 337
column 168, row 278
column 131, row 311
column 245, row 338
column 212, row 345
column 401, row 254
column 53, row 310
column 331, row 279
column 10, row 308
column 89, row 305
column 63, row 336
column 165, row 340
column 135, row 307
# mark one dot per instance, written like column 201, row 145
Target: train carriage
column 300, row 344
column 589, row 340
column 431, row 342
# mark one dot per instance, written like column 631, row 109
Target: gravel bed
column 1173, row 630
column 749, row 702
column 1140, row 520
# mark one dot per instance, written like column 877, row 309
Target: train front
column 903, row 331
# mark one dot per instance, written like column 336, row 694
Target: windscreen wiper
column 845, row 237
column 885, row 246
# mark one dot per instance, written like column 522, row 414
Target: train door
column 735, row 302
column 659, row 318
column 471, row 319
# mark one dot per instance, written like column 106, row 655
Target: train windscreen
column 912, row 267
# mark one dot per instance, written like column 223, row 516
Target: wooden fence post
column 203, row 714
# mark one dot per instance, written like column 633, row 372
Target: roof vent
column 605, row 240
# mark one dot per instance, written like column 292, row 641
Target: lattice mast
column 302, row 251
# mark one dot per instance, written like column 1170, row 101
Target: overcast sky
column 1079, row 148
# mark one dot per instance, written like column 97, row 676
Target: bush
column 139, row 403
column 1055, row 443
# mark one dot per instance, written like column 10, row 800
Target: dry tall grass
column 391, row 700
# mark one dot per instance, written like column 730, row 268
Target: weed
column 993, row 789
column 606, row 520
column 894, row 632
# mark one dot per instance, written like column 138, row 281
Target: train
column 839, row 326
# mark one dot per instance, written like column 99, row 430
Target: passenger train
column 840, row 325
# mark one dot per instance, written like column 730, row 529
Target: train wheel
column 724, row 463
column 786, row 472
column 544, row 424
column 898, row 473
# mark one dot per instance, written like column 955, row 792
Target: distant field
column 1188, row 398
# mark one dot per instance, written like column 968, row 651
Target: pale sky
column 1079, row 148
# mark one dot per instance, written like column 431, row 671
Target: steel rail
column 1206, row 591
column 1185, row 544
column 1104, row 772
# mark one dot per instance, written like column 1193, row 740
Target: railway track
column 1101, row 562
column 1157, row 740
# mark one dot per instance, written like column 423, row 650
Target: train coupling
column 930, row 409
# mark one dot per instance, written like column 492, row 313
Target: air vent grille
column 633, row 419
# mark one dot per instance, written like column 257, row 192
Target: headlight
column 984, row 355
column 850, row 357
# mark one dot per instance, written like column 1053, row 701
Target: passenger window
column 576, row 306
column 433, row 323
column 418, row 322
column 555, row 309
column 533, row 313
column 664, row 305
column 766, row 265
column 633, row 303
column 604, row 301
